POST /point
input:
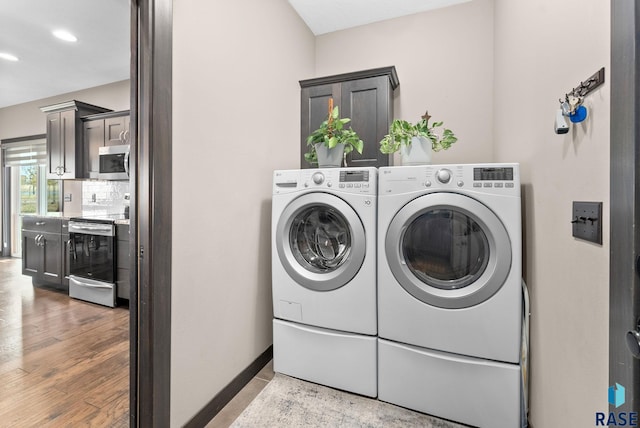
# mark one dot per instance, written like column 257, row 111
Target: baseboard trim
column 204, row 416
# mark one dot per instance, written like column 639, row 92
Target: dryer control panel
column 349, row 180
column 501, row 179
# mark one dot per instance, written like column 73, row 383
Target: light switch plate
column 587, row 221
column 67, row 197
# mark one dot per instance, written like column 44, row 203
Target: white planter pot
column 329, row 158
column 417, row 153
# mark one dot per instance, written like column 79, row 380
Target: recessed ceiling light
column 8, row 57
column 65, row 35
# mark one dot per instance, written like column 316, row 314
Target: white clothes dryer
column 324, row 276
column 449, row 291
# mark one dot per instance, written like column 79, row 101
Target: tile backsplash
column 104, row 197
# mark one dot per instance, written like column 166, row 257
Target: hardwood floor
column 63, row 362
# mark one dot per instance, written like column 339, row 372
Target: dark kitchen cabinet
column 51, row 244
column 105, row 129
column 65, row 153
column 116, row 130
column 44, row 250
column 93, row 140
column 124, row 260
column 32, row 255
column 66, row 253
column 364, row 96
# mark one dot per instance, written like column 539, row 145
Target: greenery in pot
column 401, row 132
column 331, row 133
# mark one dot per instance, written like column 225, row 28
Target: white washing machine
column 449, row 291
column 324, row 276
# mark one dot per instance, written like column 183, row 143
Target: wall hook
column 589, row 85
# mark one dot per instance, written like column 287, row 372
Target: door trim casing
column 150, row 229
column 624, row 281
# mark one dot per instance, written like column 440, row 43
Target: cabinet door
column 51, row 244
column 127, row 129
column 66, row 266
column 31, row 254
column 369, row 104
column 61, row 145
column 116, row 130
column 54, row 145
column 123, row 261
column 94, row 134
column 68, row 122
column 315, row 110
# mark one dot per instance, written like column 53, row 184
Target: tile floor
column 232, row 410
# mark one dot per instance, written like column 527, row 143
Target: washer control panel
column 350, row 180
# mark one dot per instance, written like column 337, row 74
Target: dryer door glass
column 320, row 239
column 448, row 250
column 445, row 248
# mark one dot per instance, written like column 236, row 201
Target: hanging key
column 574, row 103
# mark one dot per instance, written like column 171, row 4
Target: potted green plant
column 417, row 141
column 329, row 143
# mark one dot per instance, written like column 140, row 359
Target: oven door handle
column 97, row 229
column 91, row 283
column 84, row 284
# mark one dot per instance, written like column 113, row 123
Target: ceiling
column 325, row 16
column 48, row 66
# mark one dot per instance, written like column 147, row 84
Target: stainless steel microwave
column 114, row 162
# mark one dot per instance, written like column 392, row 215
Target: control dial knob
column 318, row 177
column 443, row 175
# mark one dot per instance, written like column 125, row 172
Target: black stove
column 92, row 259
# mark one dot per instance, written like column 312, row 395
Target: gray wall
column 444, row 60
column 537, row 62
column 236, row 115
column 27, row 119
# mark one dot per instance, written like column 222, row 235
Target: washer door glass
column 320, row 238
column 445, row 248
column 448, row 250
column 320, row 241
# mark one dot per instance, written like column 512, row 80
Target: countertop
column 68, row 216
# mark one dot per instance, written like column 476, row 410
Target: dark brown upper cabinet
column 116, row 129
column 364, row 96
column 104, row 129
column 65, row 154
